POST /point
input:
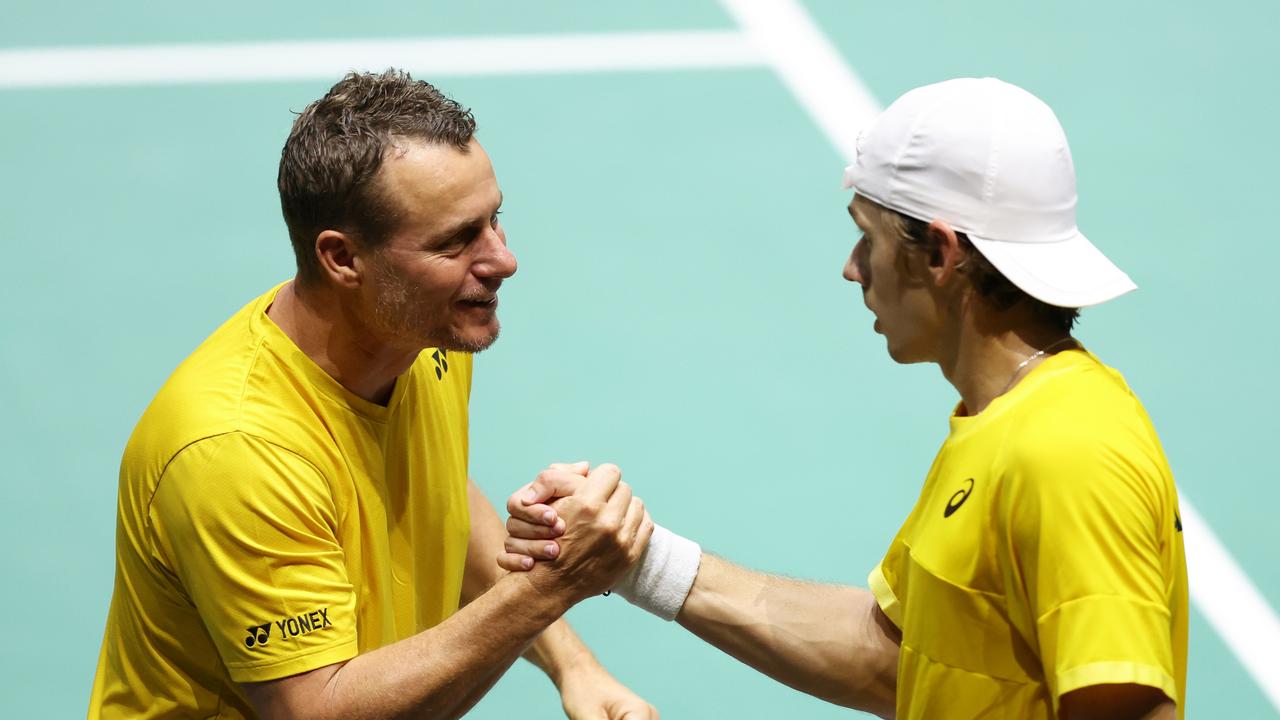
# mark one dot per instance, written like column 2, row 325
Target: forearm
column 559, row 651
column 438, row 673
column 825, row 640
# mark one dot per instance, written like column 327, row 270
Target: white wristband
column 661, row 580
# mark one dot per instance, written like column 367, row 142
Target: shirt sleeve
column 249, row 529
column 1085, row 523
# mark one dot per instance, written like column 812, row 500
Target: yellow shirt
column 1044, row 554
column 271, row 522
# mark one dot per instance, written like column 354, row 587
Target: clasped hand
column 586, row 521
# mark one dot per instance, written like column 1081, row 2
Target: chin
column 904, row 355
column 477, row 340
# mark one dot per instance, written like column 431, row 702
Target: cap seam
column 910, row 138
column 993, row 163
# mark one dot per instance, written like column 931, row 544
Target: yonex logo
column 442, row 363
column 958, row 499
column 258, row 635
column 288, row 627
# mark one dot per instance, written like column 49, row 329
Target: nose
column 853, row 266
column 496, row 260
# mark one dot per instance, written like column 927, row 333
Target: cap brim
column 1068, row 273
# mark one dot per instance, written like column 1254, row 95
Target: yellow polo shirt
column 1044, row 554
column 270, row 522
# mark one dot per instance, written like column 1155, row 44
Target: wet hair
column 329, row 177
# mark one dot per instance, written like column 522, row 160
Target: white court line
column 813, row 69
column 325, row 60
column 841, row 105
column 1232, row 603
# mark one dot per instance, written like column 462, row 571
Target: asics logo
column 958, row 499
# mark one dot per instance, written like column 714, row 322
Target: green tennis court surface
column 679, row 308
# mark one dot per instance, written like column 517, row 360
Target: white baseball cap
column 991, row 160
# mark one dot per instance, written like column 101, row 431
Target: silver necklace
column 1031, row 357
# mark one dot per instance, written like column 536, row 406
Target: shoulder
column 1083, row 432
column 238, row 459
column 1082, row 407
column 200, row 399
column 224, row 479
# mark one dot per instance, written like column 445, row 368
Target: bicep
column 296, row 696
column 1119, row 701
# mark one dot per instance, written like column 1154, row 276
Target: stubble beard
column 407, row 323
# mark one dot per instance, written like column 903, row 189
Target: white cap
column 991, row 160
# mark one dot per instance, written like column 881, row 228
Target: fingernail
column 549, row 517
column 530, row 495
column 526, row 563
column 553, row 549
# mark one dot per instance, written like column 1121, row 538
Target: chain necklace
column 1031, row 357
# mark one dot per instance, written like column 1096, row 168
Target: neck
column 982, row 360
column 329, row 331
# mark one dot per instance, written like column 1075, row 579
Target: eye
column 493, row 219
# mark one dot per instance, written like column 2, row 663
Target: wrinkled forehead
column 437, row 184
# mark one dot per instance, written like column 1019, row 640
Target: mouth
column 485, row 304
column 876, row 318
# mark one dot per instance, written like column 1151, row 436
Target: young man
column 297, row 535
column 1041, row 573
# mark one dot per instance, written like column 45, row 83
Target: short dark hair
column 329, row 166
column 990, row 284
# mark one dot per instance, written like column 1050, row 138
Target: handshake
column 581, row 532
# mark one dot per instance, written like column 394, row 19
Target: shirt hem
column 1114, row 673
column 885, row 597
column 294, row 664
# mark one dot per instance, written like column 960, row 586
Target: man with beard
column 1041, row 573
column 297, row 535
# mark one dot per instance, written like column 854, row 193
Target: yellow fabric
column 1044, row 554
column 271, row 522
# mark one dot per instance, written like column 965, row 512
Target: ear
column 336, row 253
column 945, row 255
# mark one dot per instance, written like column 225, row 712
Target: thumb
column 578, row 468
column 551, row 483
